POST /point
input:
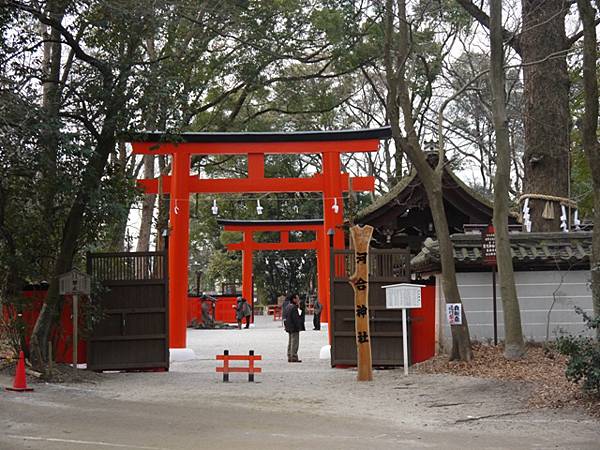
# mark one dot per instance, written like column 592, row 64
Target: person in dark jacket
column 302, row 307
column 284, row 306
column 242, row 310
column 317, row 308
column 293, row 324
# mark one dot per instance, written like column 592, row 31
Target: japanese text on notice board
column 454, row 313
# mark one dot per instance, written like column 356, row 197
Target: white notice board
column 454, row 313
column 405, row 295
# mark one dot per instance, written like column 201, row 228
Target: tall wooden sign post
column 488, row 247
column 361, row 237
column 75, row 283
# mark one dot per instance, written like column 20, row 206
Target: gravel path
column 483, row 413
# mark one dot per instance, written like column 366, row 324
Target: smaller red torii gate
column 248, row 246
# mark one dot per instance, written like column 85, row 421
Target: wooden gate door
column 133, row 332
column 385, row 267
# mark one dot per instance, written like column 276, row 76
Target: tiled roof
column 529, row 250
column 388, row 196
column 397, row 189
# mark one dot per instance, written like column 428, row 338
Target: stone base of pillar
column 325, row 352
column 181, row 354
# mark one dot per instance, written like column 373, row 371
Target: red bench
column 277, row 313
column 250, row 370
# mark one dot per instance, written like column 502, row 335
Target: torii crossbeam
column 331, row 182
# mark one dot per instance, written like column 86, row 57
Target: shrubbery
column 584, row 356
column 12, row 326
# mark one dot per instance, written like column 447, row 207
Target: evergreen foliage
column 584, row 356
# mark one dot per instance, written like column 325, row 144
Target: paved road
column 292, row 406
column 53, row 418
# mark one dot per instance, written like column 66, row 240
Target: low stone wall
column 547, row 300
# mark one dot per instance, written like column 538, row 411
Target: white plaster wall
column 548, row 296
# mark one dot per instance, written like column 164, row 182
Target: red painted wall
column 224, row 309
column 62, row 335
column 193, row 311
column 423, row 327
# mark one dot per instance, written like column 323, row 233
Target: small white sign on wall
column 454, row 313
column 405, row 295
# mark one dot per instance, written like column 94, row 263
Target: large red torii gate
column 332, row 182
column 248, row 246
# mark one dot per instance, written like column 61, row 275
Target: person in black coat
column 284, row 306
column 293, row 324
column 302, row 311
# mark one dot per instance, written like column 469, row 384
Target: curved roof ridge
column 405, row 182
column 389, row 195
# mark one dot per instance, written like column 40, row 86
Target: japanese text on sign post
column 361, row 238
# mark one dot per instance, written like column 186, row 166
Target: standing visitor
column 242, row 310
column 317, row 308
column 247, row 311
column 292, row 323
column 302, row 311
column 284, row 305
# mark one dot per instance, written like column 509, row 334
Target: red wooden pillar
column 247, row 267
column 256, row 170
column 332, row 195
column 322, row 266
column 179, row 249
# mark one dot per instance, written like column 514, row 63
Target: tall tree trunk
column 143, row 244
column 51, row 66
column 398, row 98
column 162, row 222
column 514, row 347
column 546, row 107
column 589, row 132
column 461, row 340
column 50, row 139
column 542, row 45
column 68, row 247
column 114, row 104
column 118, row 234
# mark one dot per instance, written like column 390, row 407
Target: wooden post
column 75, row 332
column 361, row 237
column 251, row 367
column 50, row 359
column 404, row 342
column 226, row 366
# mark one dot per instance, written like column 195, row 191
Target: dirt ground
column 543, row 369
column 307, row 405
